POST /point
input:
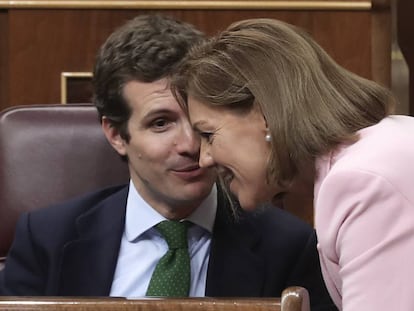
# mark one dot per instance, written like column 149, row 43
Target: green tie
column 171, row 277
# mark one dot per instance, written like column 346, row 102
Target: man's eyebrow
column 156, row 112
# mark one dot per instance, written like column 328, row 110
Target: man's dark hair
column 147, row 48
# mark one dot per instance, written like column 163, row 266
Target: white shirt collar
column 140, row 216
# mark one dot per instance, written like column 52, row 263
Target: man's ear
column 113, row 136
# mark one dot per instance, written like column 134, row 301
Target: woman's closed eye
column 207, row 136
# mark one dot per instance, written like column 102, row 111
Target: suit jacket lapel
column 234, row 267
column 89, row 263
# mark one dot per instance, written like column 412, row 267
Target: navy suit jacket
column 72, row 249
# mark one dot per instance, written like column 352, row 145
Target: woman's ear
column 268, row 135
column 113, row 136
column 265, row 121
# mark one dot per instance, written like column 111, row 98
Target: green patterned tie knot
column 172, row 275
column 174, row 232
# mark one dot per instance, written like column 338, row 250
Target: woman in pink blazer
column 274, row 110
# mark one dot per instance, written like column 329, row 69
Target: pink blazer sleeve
column 365, row 227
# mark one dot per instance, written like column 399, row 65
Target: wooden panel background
column 4, row 59
column 405, row 34
column 44, row 43
column 38, row 44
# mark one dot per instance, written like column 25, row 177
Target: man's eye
column 159, row 124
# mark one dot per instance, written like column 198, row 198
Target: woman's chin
column 249, row 204
column 248, row 200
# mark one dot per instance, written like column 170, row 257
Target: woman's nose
column 206, row 160
column 188, row 141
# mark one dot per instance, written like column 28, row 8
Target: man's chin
column 201, row 189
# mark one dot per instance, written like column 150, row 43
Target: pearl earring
column 268, row 137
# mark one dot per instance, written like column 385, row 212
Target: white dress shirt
column 142, row 246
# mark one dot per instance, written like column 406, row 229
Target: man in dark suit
column 106, row 243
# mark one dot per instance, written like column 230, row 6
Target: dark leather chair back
column 49, row 154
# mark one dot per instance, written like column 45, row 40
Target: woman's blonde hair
column 310, row 103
